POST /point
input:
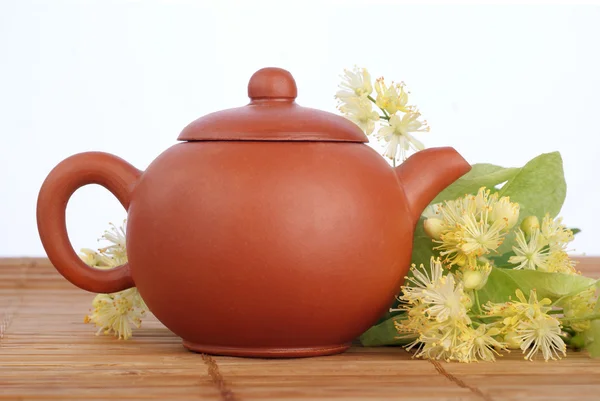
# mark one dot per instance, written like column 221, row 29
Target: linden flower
column 432, row 295
column 531, row 307
column 475, row 277
column 441, row 340
column 398, row 136
column 481, row 345
column 536, row 307
column 436, row 312
column 513, row 311
column 541, row 333
column 95, row 259
column 446, row 300
column 116, row 313
column 505, row 210
column 479, row 236
column 437, row 320
column 555, row 233
column 545, row 249
column 528, row 326
column 434, row 227
column 117, row 250
column 360, row 111
column 391, row 98
column 415, row 322
column 578, row 306
column 559, row 262
column 355, row 83
column 451, row 249
column 422, row 280
column 531, row 255
column 529, row 224
column 472, row 227
column 452, row 211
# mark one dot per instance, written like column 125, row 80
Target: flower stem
column 555, row 312
column 477, row 302
column 385, row 115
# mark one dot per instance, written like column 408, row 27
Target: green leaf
column 575, row 230
column 539, row 188
column 502, row 284
column 501, row 260
column 422, row 246
column 384, row 333
column 481, row 175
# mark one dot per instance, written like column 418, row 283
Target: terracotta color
column 247, row 243
column 272, row 115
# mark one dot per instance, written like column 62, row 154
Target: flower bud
column 391, row 98
column 89, row 257
column 529, row 224
column 475, row 277
column 472, row 279
column 506, row 210
column 432, row 211
column 434, row 227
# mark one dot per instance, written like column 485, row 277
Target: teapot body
column 268, row 248
column 273, row 231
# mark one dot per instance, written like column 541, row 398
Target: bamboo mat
column 47, row 352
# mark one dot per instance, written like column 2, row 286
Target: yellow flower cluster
column 526, row 324
column 543, row 247
column 114, row 313
column 437, row 314
column 576, row 306
column 442, row 313
column 471, row 227
column 398, row 120
column 440, row 320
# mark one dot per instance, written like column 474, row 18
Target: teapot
column 270, row 230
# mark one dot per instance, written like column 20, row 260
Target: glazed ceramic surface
column 271, row 231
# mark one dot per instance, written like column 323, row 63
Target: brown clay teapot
column 271, row 231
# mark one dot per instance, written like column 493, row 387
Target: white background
column 501, row 84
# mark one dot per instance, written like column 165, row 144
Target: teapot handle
column 113, row 173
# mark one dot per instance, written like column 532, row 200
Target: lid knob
column 272, row 83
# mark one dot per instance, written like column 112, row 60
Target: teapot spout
column 427, row 173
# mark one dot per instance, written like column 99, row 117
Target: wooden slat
column 46, row 352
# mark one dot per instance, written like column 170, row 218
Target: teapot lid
column 272, row 115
